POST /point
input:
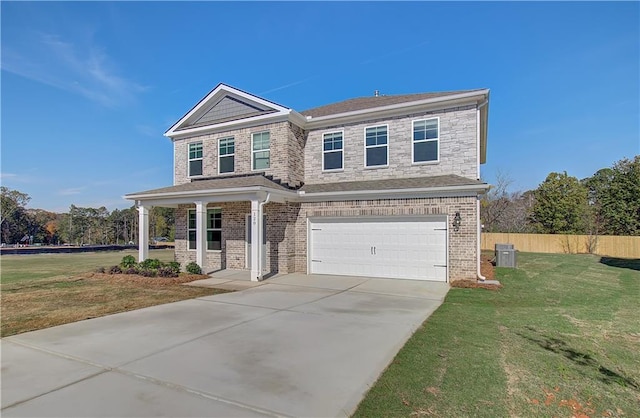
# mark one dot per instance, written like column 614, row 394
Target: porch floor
column 229, row 279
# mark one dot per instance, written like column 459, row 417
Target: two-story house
column 380, row 186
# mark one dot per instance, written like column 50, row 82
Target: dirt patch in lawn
column 33, row 305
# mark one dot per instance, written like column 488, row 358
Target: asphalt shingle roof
column 252, row 180
column 361, row 103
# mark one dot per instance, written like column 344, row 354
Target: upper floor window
column 226, row 155
column 195, row 159
column 376, row 146
column 426, row 135
column 332, row 151
column 260, row 151
column 214, row 229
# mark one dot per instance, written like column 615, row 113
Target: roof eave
column 398, row 108
column 208, row 192
column 451, row 190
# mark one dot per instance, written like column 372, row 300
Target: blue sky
column 88, row 89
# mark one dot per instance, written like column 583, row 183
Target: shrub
column 150, row 264
column 100, row 270
column 148, row 273
column 167, row 271
column 131, row 270
column 193, row 268
column 128, row 261
column 115, row 270
column 174, row 266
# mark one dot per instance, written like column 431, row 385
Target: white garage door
column 401, row 248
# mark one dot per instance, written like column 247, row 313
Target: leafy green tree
column 614, row 196
column 14, row 220
column 560, row 205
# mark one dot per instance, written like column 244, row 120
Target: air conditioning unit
column 505, row 255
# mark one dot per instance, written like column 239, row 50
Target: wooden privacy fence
column 609, row 245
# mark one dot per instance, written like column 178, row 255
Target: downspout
column 261, row 232
column 479, row 232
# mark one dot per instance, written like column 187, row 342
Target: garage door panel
column 411, row 249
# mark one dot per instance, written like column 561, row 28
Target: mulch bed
column 145, row 281
column 487, row 270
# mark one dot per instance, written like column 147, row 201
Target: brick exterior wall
column 458, row 154
column 286, row 247
column 286, row 153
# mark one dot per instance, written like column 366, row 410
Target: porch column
column 201, row 233
column 256, row 241
column 143, row 233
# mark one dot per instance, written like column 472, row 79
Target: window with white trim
column 426, row 138
column 332, row 151
column 226, row 155
column 214, row 229
column 260, row 151
column 376, row 146
column 195, row 159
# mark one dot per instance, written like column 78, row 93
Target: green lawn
column 562, row 339
column 14, row 268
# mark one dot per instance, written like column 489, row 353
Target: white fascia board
column 447, row 191
column 216, row 94
column 397, row 109
column 229, row 194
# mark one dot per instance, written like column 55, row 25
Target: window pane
column 214, row 240
column 227, row 164
column 425, row 151
column 260, row 160
column 227, row 146
column 376, row 156
column 192, row 240
column 195, row 150
column 261, row 141
column 376, row 136
column 333, row 160
column 192, row 219
column 328, row 144
column 195, row 168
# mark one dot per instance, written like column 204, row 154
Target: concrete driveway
column 296, row 346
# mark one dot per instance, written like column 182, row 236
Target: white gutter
column 479, row 231
column 195, row 193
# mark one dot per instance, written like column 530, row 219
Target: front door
column 248, row 243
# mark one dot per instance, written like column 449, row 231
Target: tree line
column 78, row 226
column 607, row 203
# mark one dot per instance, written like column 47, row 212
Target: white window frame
column 189, row 159
column 370, row 167
column 413, row 141
column 227, row 155
column 253, row 152
column 341, row 132
column 189, row 212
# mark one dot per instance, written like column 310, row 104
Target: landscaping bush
column 131, row 270
column 115, row 270
column 174, row 266
column 167, row 271
column 193, row 268
column 148, row 273
column 150, row 264
column 128, row 261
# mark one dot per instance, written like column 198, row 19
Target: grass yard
column 45, row 290
column 561, row 339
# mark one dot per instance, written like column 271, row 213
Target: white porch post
column 143, row 233
column 201, row 233
column 256, row 241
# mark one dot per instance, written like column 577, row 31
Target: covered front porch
column 217, row 221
